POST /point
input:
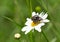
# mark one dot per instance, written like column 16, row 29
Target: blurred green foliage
column 13, row 14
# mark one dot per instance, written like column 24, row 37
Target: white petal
column 33, row 13
column 28, row 19
column 28, row 30
column 41, row 14
column 46, row 20
column 38, row 28
column 45, row 16
column 28, row 22
column 40, row 25
column 37, row 14
column 24, row 28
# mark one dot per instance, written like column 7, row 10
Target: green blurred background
column 13, row 14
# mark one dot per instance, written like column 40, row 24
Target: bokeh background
column 13, row 14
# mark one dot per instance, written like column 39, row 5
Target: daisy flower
column 36, row 22
column 17, row 35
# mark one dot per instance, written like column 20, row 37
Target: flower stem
column 45, row 36
column 31, row 37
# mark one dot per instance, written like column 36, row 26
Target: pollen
column 34, row 24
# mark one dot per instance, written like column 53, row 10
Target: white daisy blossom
column 17, row 35
column 30, row 25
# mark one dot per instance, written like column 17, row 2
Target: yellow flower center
column 34, row 23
